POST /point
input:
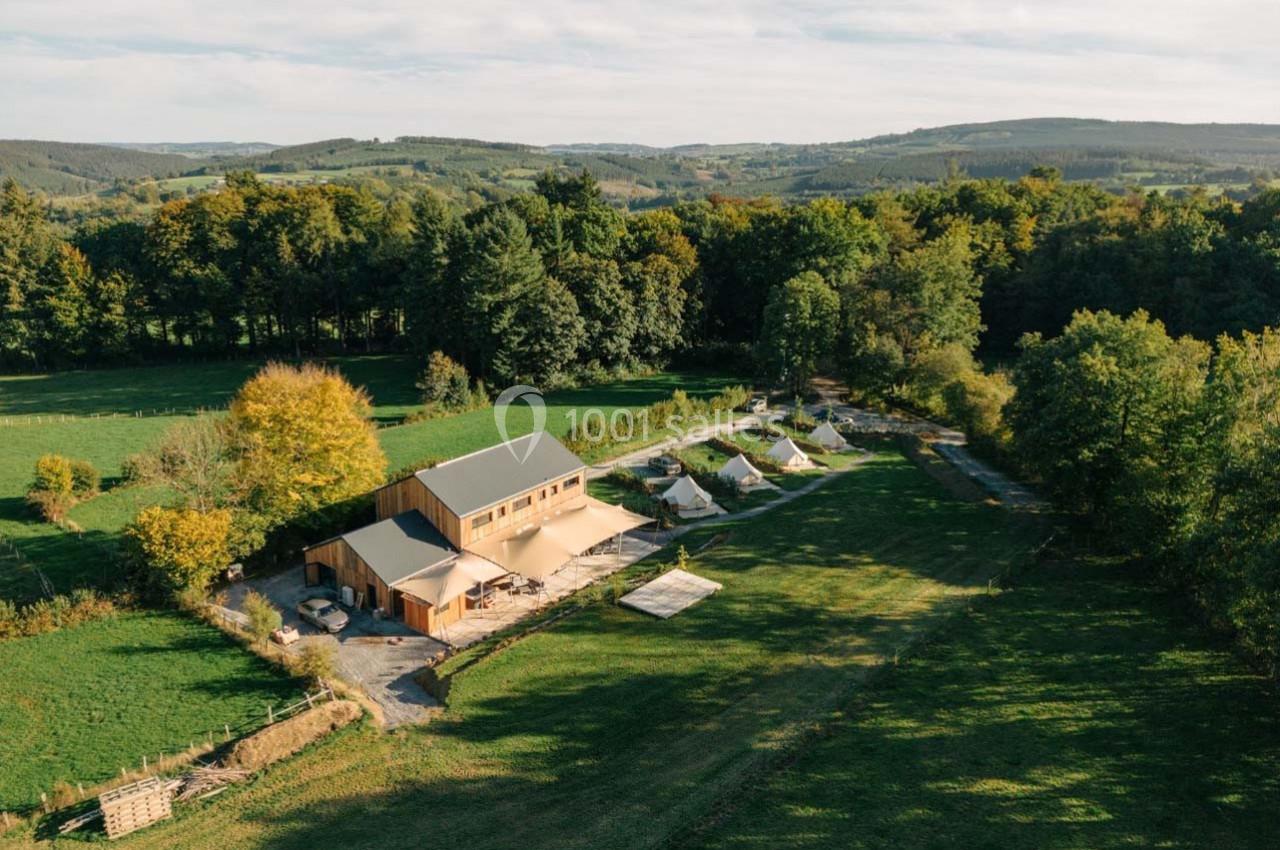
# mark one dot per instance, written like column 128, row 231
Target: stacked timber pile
column 138, row 804
column 133, row 806
column 206, row 780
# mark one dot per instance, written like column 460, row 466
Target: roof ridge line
column 480, row 451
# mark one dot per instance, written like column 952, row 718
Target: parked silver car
column 323, row 614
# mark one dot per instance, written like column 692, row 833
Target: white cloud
column 662, row 73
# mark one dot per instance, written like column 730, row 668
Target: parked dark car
column 323, row 614
column 665, row 465
column 829, row 415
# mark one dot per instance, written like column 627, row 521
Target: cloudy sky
column 655, row 72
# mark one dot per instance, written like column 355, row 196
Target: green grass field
column 78, row 704
column 90, row 414
column 1079, row 710
column 613, row 729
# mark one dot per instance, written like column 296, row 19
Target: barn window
column 522, row 503
column 482, row 520
column 571, row 482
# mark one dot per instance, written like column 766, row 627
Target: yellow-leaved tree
column 183, row 549
column 302, row 440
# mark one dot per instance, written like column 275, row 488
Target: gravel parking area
column 381, row 656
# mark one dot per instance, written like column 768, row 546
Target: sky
column 656, row 72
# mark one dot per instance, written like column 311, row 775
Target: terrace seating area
column 512, row 600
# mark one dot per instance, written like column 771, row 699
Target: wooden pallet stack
column 133, row 806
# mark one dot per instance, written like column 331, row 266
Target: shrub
column 933, row 372
column 316, row 662
column 52, row 490
column 264, row 618
column 51, row 507
column 53, row 474
column 85, row 480
column 627, row 479
column 179, row 547
column 976, row 404
column 798, row 419
column 134, row 468
column 446, row 387
column 10, row 624
column 47, row 615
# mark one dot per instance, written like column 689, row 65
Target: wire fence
column 15, row 421
column 171, row 757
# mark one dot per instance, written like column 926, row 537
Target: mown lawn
column 613, row 729
column 1079, row 710
column 74, row 399
column 78, row 704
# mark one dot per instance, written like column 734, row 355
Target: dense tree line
column 546, row 284
column 1171, row 447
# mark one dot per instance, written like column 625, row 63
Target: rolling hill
column 63, row 168
column 1111, row 154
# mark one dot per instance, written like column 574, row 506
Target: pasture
column 1081, row 709
column 77, row 705
column 90, row 415
column 613, row 729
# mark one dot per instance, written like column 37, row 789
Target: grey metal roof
column 484, row 478
column 400, row 546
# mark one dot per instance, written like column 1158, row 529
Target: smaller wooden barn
column 374, row 559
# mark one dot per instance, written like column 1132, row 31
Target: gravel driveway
column 381, row 656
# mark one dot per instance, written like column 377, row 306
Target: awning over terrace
column 441, row 584
column 545, row 546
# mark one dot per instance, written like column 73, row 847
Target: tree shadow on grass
column 1078, row 711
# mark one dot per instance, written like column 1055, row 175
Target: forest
column 1112, row 348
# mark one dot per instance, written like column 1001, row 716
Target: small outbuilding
column 686, row 495
column 740, row 471
column 788, row 455
column 828, row 437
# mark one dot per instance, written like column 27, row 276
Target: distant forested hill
column 1114, row 155
column 63, row 168
column 198, row 150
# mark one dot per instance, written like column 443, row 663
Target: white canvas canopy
column 740, row 471
column 444, row 583
column 535, row 553
column 685, row 494
column 544, row 547
column 788, row 454
column 828, row 437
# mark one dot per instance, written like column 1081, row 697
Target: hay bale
column 283, row 739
